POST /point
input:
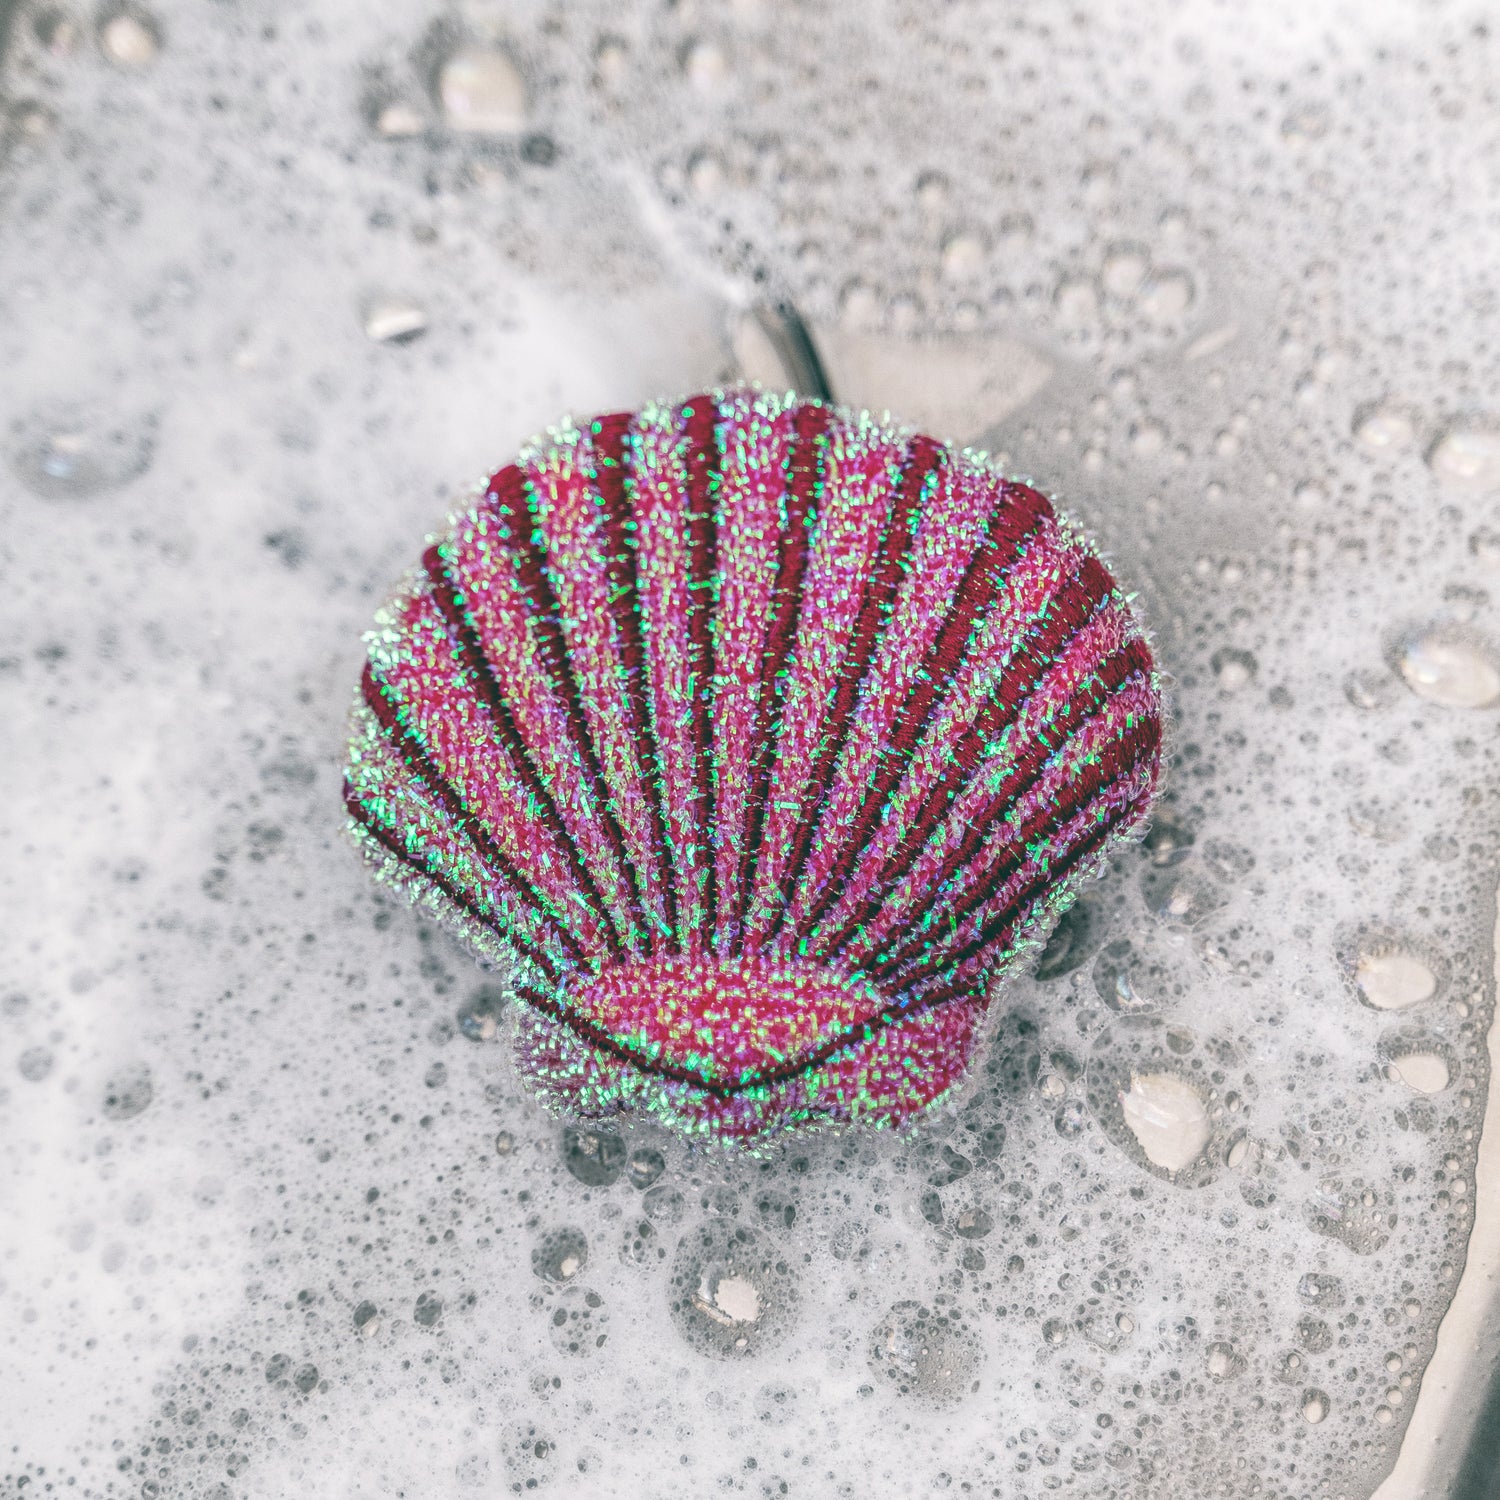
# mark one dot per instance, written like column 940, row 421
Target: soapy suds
column 278, row 286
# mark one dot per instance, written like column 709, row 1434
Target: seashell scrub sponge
column 756, row 738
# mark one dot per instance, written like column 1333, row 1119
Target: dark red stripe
column 409, row 745
column 512, row 496
column 920, row 464
column 805, row 469
column 477, row 664
column 611, row 478
column 983, row 582
column 703, row 459
column 1116, row 763
column 391, row 842
column 1054, row 633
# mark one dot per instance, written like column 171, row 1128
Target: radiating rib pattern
column 762, row 737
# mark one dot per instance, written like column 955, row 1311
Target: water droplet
column 1234, row 669
column 35, row 1064
column 1484, row 547
column 67, row 452
column 577, row 1321
column 1076, row 300
column 1125, row 980
column 393, row 320
column 1308, row 122
column 129, row 41
column 128, row 1092
column 1314, row 1405
column 1180, row 896
column 595, row 1157
column 1318, row 1289
column 1124, row 270
column 1148, row 439
column 1166, row 1114
column 28, row 121
column 396, row 119
column 1391, row 977
column 560, row 1254
column 664, row 1205
column 611, row 57
column 479, row 1016
column 1369, row 690
column 973, row 1223
column 1448, row 664
column 1383, row 428
column 733, row 1293
column 482, row 92
column 1071, row 943
column 932, row 192
column 705, row 174
column 57, row 32
column 1167, row 296
column 1424, row 1072
column 645, row 1166
column 1467, row 457
column 704, row 65
column 925, row 1353
column 964, row 257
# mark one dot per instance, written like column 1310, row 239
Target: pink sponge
column 760, row 737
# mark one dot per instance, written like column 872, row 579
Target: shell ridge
column 420, row 765
column 704, row 463
column 983, row 580
column 662, row 564
column 918, row 467
column 1029, row 711
column 482, row 673
column 969, row 823
column 950, row 531
column 1035, row 796
column 750, row 499
column 1018, row 847
column 574, row 526
column 387, row 839
column 579, row 575
column 649, row 1061
column 1121, row 760
column 805, row 459
column 428, row 684
column 613, row 482
column 1048, row 626
column 512, row 495
column 845, row 541
column 1013, row 932
column 1023, row 606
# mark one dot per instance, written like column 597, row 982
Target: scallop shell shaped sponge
column 756, row 739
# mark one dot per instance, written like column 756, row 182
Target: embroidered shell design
column 755, row 739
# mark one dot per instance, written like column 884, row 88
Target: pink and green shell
column 756, row 739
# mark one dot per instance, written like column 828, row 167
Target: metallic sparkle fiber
column 759, row 738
